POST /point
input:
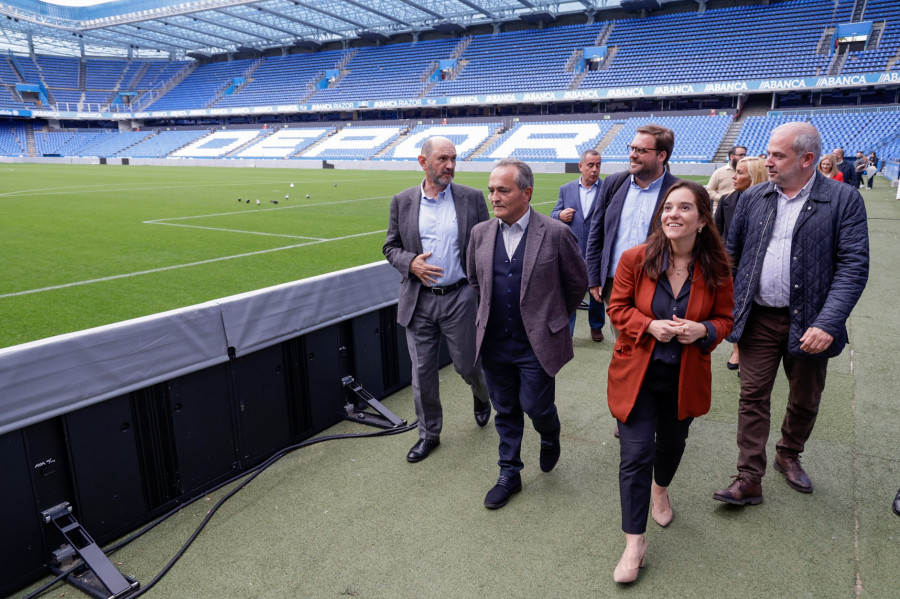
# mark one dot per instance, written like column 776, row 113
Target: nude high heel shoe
column 624, row 574
column 662, row 514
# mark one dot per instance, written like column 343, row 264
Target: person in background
column 576, row 208
column 827, row 167
column 720, row 183
column 860, row 167
column 844, row 166
column 871, row 169
column 672, row 302
column 750, row 171
column 529, row 277
column 426, row 241
column 800, row 247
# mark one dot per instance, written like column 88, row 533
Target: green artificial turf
column 87, row 245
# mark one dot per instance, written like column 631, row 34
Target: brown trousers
column 763, row 345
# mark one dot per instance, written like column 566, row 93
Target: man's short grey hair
column 807, row 139
column 586, row 153
column 524, row 176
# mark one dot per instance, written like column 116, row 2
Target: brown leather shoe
column 793, row 472
column 597, row 334
column 742, row 491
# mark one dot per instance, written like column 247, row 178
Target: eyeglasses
column 640, row 151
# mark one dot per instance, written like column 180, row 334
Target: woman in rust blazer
column 672, row 299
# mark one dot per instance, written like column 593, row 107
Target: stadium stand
column 691, row 47
column 548, row 141
column 354, row 143
column 163, row 143
column 202, row 87
column 696, row 137
column 467, row 138
column 285, row 143
column 875, row 59
column 218, row 144
column 283, row 79
column 12, row 136
column 393, row 71
column 528, row 60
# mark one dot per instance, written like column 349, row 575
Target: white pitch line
column 117, row 187
column 235, row 231
column 177, row 266
column 257, row 210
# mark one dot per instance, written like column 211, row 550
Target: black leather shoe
column 482, row 411
column 897, row 504
column 505, row 488
column 549, row 454
column 421, row 449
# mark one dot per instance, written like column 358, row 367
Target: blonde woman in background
column 827, row 167
column 749, row 171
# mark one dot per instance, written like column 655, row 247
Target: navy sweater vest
column 505, row 320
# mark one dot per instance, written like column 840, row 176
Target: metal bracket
column 359, row 399
column 93, row 573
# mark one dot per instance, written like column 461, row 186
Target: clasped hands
column 427, row 273
column 685, row 331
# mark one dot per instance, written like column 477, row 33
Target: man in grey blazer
column 426, row 241
column 530, row 277
column 576, row 208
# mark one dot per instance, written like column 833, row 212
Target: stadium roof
column 177, row 29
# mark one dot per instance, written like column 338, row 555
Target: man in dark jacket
column 800, row 246
column 847, row 170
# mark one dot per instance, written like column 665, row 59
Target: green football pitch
column 87, row 245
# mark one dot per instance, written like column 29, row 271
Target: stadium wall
column 128, row 421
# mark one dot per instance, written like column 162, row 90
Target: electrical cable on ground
column 248, row 475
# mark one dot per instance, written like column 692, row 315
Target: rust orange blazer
column 629, row 311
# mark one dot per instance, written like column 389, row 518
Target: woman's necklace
column 678, row 270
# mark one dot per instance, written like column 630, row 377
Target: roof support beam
column 296, row 20
column 330, row 14
column 226, row 26
column 260, row 23
column 379, row 13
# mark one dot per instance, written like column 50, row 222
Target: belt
column 446, row 288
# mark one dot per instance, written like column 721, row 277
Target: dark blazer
column 553, row 284
column 605, row 223
column 630, row 311
column 570, row 197
column 829, row 258
column 848, row 170
column 403, row 243
column 725, row 212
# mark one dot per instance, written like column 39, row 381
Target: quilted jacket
column 829, row 258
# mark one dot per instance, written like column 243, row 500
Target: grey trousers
column 452, row 315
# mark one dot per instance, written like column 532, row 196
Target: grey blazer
column 403, row 243
column 554, row 280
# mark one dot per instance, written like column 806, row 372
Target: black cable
column 248, row 475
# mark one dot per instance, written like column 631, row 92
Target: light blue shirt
column 634, row 222
column 512, row 234
column 439, row 233
column 588, row 195
column 775, row 279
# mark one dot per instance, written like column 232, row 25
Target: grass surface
column 87, row 245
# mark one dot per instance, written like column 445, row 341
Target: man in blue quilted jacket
column 800, row 247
